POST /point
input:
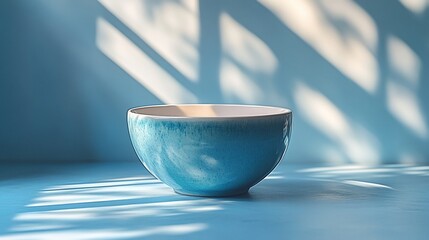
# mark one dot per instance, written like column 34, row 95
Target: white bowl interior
column 209, row 110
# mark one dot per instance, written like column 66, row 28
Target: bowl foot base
column 212, row 194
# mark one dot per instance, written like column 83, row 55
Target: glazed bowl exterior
column 210, row 150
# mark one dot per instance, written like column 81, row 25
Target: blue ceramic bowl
column 210, row 150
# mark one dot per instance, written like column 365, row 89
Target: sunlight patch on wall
column 402, row 86
column 235, row 84
column 332, row 156
column 411, row 158
column 415, row 6
column 403, row 61
column 244, row 47
column 404, row 105
column 358, row 23
column 245, row 61
column 138, row 65
column 359, row 144
column 171, row 28
column 349, row 53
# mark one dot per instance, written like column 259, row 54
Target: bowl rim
column 279, row 111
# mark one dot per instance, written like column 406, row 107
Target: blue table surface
column 123, row 201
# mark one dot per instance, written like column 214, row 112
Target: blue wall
column 355, row 74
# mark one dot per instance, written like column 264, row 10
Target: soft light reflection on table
column 122, row 201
